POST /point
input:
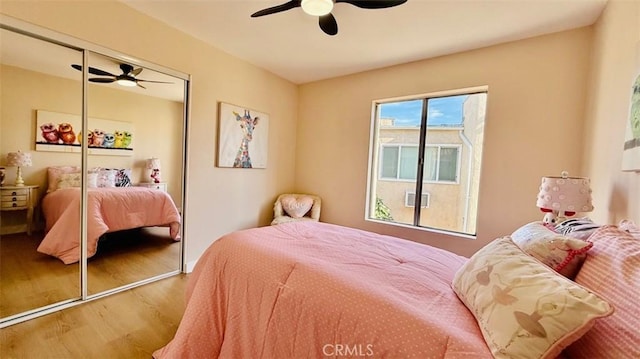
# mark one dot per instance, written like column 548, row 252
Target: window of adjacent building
column 430, row 145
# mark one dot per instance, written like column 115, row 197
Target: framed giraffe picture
column 243, row 137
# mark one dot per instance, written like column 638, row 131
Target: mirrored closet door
column 103, row 153
column 35, row 76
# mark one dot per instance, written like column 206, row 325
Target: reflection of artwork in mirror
column 57, row 133
column 243, row 137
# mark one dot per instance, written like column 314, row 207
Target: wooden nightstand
column 162, row 186
column 19, row 198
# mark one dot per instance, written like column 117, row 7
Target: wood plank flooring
column 131, row 324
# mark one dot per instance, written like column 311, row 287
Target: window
column 399, row 162
column 430, row 145
column 410, row 199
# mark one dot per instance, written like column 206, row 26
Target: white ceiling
column 291, row 45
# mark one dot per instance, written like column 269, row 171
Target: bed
column 108, row 210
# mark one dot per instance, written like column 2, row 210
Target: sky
column 442, row 111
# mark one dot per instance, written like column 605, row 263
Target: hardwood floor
column 131, row 324
column 29, row 279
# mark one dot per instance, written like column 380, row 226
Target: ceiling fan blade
column 328, row 24
column 279, row 8
column 137, row 83
column 157, row 82
column 136, row 72
column 93, row 70
column 373, row 4
column 102, row 80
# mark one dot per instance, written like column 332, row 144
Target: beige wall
column 218, row 200
column 615, row 64
column 157, row 124
column 536, row 97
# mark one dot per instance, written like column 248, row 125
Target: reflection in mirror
column 135, row 155
column 36, row 78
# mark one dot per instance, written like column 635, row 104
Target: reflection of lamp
column 564, row 196
column 153, row 164
column 19, row 159
column 317, row 7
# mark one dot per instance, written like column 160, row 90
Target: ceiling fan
column 127, row 78
column 322, row 9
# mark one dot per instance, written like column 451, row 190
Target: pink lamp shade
column 19, row 159
column 564, row 196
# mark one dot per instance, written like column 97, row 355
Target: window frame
column 375, row 156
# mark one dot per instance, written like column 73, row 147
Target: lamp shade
column 19, row 159
column 565, row 194
column 153, row 164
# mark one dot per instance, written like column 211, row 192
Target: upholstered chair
column 291, row 207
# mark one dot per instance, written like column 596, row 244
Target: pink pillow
column 631, row 227
column 54, row 173
column 296, row 207
column 612, row 269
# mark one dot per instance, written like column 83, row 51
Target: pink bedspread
column 108, row 210
column 314, row 290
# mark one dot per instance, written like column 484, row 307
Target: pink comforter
column 313, row 290
column 108, row 210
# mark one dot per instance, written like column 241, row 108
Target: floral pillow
column 564, row 254
column 54, row 173
column 68, row 180
column 106, row 178
column 524, row 309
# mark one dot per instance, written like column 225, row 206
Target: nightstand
column 19, row 198
column 162, row 186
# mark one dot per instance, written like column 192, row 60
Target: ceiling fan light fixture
column 126, row 82
column 317, row 7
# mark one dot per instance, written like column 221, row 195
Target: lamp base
column 19, row 180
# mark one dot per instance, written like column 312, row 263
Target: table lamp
column 563, row 196
column 153, row 164
column 19, row 159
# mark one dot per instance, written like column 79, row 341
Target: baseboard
column 190, row 265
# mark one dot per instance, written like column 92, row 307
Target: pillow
column 580, row 228
column 612, row 269
column 123, row 177
column 296, row 206
column 524, row 309
column 106, row 178
column 54, row 173
column 68, row 180
column 631, row 227
column 564, row 254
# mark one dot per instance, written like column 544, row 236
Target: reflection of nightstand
column 162, row 186
column 17, row 198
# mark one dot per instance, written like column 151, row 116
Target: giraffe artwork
column 243, row 137
column 247, row 124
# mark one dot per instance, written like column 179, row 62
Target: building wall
column 615, row 64
column 536, row 96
